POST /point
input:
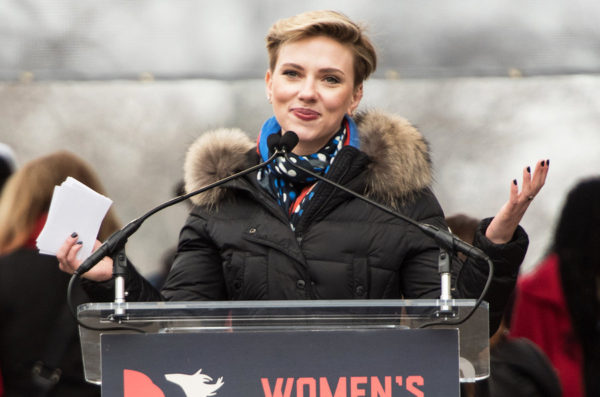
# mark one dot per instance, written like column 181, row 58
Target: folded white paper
column 74, row 208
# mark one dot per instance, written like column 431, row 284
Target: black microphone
column 118, row 239
column 285, row 143
column 288, row 141
column 273, row 142
column 444, row 239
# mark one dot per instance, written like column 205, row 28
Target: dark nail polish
column 548, row 162
column 515, row 182
column 74, row 234
column 80, row 242
column 543, row 163
column 529, row 169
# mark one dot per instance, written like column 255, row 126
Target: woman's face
column 311, row 88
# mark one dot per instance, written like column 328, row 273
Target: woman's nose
column 308, row 90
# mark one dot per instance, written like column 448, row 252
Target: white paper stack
column 74, row 208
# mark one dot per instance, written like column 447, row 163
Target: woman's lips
column 305, row 114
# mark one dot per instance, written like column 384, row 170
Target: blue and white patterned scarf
column 293, row 188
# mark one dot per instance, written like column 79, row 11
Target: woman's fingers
column 65, row 253
column 72, row 255
column 62, row 252
column 514, row 192
column 503, row 225
column 542, row 171
column 526, row 180
column 533, row 181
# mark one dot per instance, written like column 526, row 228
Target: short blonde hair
column 27, row 194
column 331, row 24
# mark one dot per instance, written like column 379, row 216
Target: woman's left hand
column 504, row 224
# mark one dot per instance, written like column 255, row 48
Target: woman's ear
column 356, row 97
column 268, row 84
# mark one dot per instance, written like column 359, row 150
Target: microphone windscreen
column 289, row 140
column 273, row 142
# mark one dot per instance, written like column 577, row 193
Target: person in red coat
column 557, row 305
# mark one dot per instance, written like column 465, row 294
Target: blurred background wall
column 129, row 84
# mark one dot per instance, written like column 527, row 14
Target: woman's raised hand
column 504, row 224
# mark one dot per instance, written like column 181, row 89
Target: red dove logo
column 138, row 384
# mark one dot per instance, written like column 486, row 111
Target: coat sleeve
column 197, row 272
column 138, row 288
column 420, row 278
column 507, row 259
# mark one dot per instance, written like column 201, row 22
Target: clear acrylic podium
column 261, row 316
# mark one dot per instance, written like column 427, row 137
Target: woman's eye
column 332, row 79
column 291, row 73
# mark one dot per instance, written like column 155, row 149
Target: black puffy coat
column 237, row 242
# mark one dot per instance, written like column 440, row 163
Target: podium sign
column 290, row 363
column 285, row 348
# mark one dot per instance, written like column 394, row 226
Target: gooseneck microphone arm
column 120, row 237
column 445, row 240
column 114, row 246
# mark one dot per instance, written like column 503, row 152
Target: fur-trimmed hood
column 400, row 161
